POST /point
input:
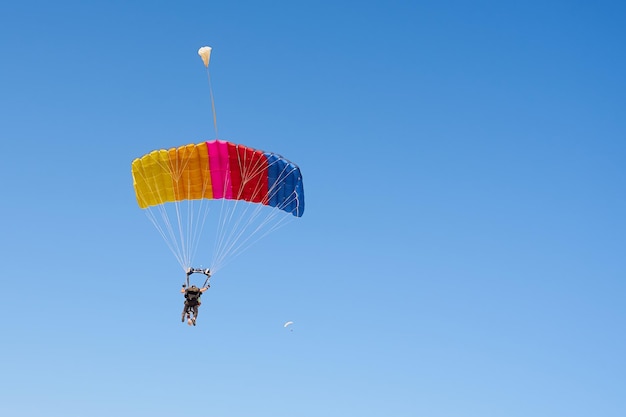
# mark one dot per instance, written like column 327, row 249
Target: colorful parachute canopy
column 218, row 170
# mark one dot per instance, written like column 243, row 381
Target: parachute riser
column 191, row 271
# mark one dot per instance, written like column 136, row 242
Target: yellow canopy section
column 172, row 175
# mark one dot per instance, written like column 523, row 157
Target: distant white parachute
column 289, row 323
column 205, row 54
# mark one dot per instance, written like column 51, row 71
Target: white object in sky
column 205, row 54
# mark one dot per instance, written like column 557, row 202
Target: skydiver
column 192, row 297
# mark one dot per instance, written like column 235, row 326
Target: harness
column 192, row 296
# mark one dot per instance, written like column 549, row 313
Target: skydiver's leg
column 185, row 308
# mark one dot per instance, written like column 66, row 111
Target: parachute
column 205, row 54
column 289, row 323
column 216, row 197
column 239, row 193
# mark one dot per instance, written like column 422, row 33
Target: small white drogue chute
column 289, row 323
column 205, row 54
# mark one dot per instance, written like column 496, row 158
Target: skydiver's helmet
column 193, row 288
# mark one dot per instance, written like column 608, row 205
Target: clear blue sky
column 462, row 253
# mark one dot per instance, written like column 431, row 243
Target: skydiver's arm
column 205, row 288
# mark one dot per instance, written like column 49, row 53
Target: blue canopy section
column 285, row 189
